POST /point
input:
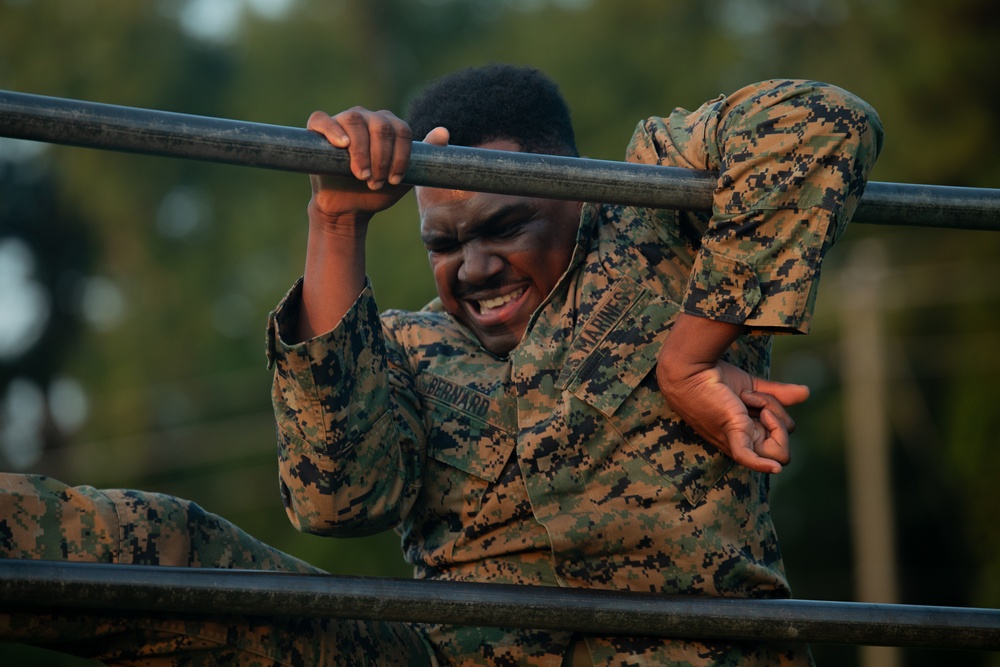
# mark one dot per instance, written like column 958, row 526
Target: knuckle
column 404, row 132
column 354, row 117
column 384, row 132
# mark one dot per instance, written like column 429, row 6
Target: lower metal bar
column 39, row 585
column 128, row 129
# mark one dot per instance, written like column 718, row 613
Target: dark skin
column 495, row 258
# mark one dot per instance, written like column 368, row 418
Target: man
column 584, row 405
column 569, row 411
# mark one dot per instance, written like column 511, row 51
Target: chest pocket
column 466, row 435
column 610, row 369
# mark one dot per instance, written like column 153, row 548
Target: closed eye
column 439, row 248
column 509, row 230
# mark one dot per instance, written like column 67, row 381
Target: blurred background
column 134, row 290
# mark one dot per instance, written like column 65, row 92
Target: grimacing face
column 495, row 258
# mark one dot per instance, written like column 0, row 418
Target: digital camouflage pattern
column 43, row 519
column 561, row 465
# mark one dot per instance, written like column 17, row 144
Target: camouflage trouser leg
column 41, row 518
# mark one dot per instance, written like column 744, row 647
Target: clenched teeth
column 489, row 304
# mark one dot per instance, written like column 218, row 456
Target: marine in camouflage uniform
column 560, row 464
column 556, row 464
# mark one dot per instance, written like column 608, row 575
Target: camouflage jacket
column 560, row 465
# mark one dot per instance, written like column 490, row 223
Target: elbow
column 851, row 116
column 324, row 512
column 835, row 130
column 803, row 108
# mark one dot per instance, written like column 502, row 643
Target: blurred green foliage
column 160, row 272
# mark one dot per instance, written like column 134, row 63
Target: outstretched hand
column 742, row 415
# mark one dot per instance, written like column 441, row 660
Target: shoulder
column 431, row 316
column 429, row 333
column 403, row 323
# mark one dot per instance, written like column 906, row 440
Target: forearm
column 334, row 272
column 695, row 344
column 341, row 208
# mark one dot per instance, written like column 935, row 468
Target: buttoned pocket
column 467, row 447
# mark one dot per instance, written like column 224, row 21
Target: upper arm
column 792, row 159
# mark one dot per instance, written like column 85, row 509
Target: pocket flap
column 617, row 346
column 464, row 428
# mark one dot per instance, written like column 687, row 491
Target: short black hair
column 493, row 102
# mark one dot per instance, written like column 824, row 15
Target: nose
column 479, row 263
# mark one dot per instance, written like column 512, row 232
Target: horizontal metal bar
column 128, row 129
column 95, row 125
column 40, row 585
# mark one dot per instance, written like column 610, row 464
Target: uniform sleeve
column 793, row 158
column 350, row 441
